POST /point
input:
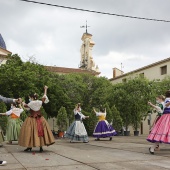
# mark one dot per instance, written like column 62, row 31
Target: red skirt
column 161, row 131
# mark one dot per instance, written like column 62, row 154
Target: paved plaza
column 122, row 153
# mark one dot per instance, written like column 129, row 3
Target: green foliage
column 70, row 116
column 117, row 120
column 109, row 116
column 131, row 98
column 3, row 119
column 23, row 115
column 62, row 119
column 90, row 123
column 19, row 79
column 43, row 112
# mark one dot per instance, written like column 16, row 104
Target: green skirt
column 13, row 129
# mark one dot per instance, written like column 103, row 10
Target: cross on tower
column 83, row 26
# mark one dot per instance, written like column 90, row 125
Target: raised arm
column 6, row 113
column 7, row 100
column 152, row 105
column 45, row 98
column 94, row 110
column 10, row 100
column 3, row 114
column 158, row 108
column 45, row 90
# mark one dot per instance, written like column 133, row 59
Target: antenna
column 122, row 68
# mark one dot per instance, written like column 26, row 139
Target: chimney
column 117, row 72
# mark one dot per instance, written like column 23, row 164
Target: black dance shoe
column 110, row 138
column 41, row 149
column 157, row 148
column 28, row 149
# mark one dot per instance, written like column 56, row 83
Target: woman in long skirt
column 77, row 131
column 103, row 129
column 35, row 131
column 7, row 100
column 161, row 131
column 159, row 107
column 14, row 122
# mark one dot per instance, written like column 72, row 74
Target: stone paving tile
column 70, row 167
column 12, row 166
column 133, row 165
column 127, row 153
column 9, row 158
column 94, row 154
column 42, row 159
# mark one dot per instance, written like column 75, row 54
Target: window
column 163, row 70
column 141, row 75
column 124, row 80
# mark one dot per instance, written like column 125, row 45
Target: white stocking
column 154, row 146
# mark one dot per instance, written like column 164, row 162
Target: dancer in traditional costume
column 161, row 131
column 77, row 131
column 35, row 131
column 103, row 129
column 159, row 107
column 8, row 101
column 14, row 122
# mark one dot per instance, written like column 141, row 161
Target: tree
column 23, row 115
column 140, row 93
column 91, row 122
column 131, row 99
column 43, row 112
column 120, row 97
column 109, row 116
column 117, row 120
column 62, row 119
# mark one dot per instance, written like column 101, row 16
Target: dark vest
column 77, row 117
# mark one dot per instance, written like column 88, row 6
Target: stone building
column 155, row 71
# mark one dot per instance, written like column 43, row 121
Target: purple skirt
column 103, row 129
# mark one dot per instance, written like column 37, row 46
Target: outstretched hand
column 19, row 100
column 45, row 87
column 149, row 103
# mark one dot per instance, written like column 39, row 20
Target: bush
column 62, row 119
column 90, row 123
column 117, row 120
column 23, row 115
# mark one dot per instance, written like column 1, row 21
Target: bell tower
column 87, row 61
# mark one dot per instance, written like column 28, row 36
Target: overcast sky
column 53, row 35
